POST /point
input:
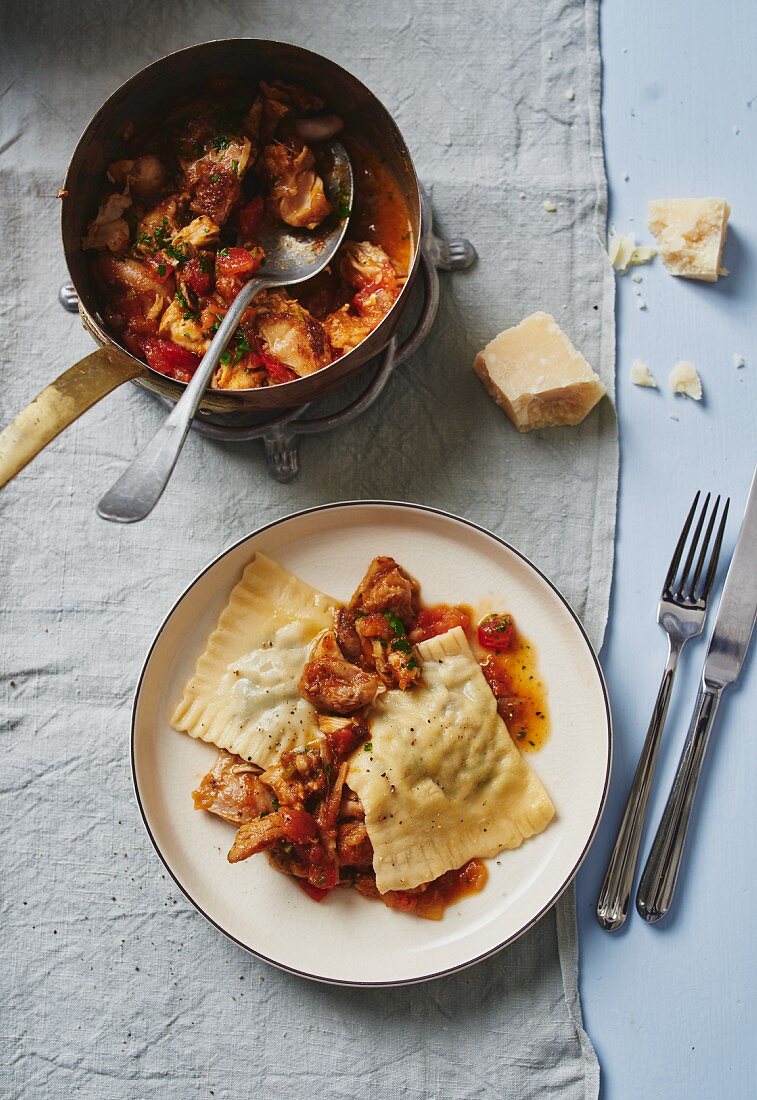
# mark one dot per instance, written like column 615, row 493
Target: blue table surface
column 671, row 1008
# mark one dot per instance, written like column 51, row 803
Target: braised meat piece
column 291, row 334
column 386, row 587
column 378, row 619
column 353, row 845
column 293, row 826
column 368, row 272
column 233, row 791
column 214, row 157
column 333, row 684
column 110, row 229
column 347, row 637
column 299, row 775
column 295, row 190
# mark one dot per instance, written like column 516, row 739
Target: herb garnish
column 396, row 624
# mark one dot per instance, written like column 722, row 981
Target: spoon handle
column 141, row 486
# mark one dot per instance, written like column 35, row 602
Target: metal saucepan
column 153, row 92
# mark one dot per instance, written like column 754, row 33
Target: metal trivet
column 281, row 431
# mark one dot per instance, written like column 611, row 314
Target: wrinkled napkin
column 112, row 985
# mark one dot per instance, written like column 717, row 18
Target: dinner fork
column 681, row 613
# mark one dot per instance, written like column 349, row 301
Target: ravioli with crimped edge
column 443, row 781
column 243, row 693
column 367, row 745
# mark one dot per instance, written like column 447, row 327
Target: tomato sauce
column 451, row 887
column 512, row 673
column 379, row 215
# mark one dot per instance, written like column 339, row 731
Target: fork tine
column 676, row 559
column 692, row 548
column 715, row 553
column 703, row 551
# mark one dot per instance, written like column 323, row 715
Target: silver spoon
column 292, row 256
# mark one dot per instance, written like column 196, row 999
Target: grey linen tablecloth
column 112, row 985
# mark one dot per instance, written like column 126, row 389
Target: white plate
column 347, row 939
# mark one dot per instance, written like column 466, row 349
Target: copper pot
column 153, row 92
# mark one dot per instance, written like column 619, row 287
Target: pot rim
column 105, row 338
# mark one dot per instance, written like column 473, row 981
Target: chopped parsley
column 177, row 252
column 403, row 645
column 189, row 312
column 162, row 271
column 368, row 746
column 396, row 624
column 343, row 207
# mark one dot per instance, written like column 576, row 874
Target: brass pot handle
column 60, row 403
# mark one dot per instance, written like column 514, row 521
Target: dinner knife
column 725, row 658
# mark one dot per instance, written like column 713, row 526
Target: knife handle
column 658, row 882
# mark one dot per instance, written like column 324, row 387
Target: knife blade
column 737, row 611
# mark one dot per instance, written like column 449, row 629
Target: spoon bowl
column 292, row 256
column 295, row 255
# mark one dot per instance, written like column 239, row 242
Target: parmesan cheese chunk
column 685, row 380
column 537, row 376
column 641, row 375
column 690, row 234
column 441, row 780
column 624, row 252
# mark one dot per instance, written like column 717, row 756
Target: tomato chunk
column 314, row 892
column 438, row 620
column 300, row 825
column 496, row 632
column 171, row 359
column 278, row 371
column 197, row 273
column 160, row 269
column 239, row 261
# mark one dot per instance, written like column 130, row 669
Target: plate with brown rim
column 347, row 939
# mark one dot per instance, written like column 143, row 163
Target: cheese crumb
column 673, row 416
column 523, row 194
column 570, row 94
column 736, row 130
column 636, row 278
column 739, row 361
column 641, row 375
column 640, row 303
column 685, row 380
column 550, row 207
column 690, row 234
column 624, row 252
column 533, row 371
column 550, row 55
column 626, row 176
